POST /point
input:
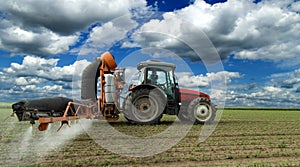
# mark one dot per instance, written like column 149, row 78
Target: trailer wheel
column 145, row 106
column 201, row 111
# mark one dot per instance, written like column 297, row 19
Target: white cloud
column 53, row 88
column 127, row 44
column 46, row 68
column 66, row 16
column 296, row 6
column 265, row 97
column 290, row 80
column 50, row 27
column 263, row 31
column 21, row 81
column 272, row 89
column 103, row 37
column 186, row 79
column 178, row 36
column 44, row 43
column 223, row 76
column 267, row 30
column 39, row 77
column 213, row 83
column 282, row 91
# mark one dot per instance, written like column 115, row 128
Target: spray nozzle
column 32, row 122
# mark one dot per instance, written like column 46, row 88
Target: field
column 242, row 138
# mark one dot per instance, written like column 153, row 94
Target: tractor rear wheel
column 145, row 106
column 201, row 110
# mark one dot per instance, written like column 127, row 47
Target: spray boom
column 60, row 109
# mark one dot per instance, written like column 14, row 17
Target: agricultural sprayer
column 156, row 93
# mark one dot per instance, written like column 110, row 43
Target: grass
column 5, row 105
column 242, row 138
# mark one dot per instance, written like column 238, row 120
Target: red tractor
column 102, row 96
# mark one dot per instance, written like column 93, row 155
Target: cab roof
column 155, row 63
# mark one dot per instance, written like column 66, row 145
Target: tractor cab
column 161, row 75
column 158, row 73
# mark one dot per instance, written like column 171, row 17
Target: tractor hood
column 189, row 95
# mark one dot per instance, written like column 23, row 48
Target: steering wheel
column 163, row 85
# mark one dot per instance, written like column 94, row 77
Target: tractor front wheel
column 201, row 110
column 145, row 106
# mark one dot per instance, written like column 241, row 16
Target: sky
column 244, row 52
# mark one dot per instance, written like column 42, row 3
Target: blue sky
column 252, row 47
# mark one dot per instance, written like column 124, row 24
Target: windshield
column 163, row 77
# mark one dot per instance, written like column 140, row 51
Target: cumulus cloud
column 296, row 6
column 50, row 27
column 44, row 43
column 187, row 79
column 248, row 30
column 266, row 30
column 282, row 91
column 67, row 17
column 212, row 83
column 45, row 68
column 104, row 36
column 290, row 80
column 265, row 97
column 178, row 36
column 40, row 77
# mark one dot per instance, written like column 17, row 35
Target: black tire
column 145, row 106
column 126, row 103
column 200, row 111
column 89, row 81
column 183, row 114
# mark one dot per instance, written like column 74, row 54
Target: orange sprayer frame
column 107, row 67
column 69, row 114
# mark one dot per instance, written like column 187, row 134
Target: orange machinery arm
column 107, row 67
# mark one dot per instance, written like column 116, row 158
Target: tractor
column 158, row 93
column 103, row 96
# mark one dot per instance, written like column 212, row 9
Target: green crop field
column 243, row 137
